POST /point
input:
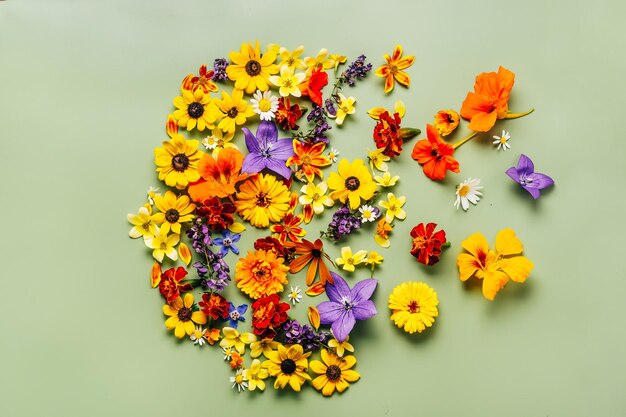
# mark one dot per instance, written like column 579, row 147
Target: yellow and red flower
column 214, row 305
column 309, row 156
column 170, row 285
column 219, row 175
column 313, row 254
column 427, row 243
column 288, row 114
column 446, row 121
column 289, row 229
column 202, row 81
column 392, row 70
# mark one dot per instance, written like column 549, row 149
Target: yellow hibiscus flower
column 250, row 70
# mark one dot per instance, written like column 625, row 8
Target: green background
column 85, row 89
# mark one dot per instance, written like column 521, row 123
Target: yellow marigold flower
column 344, row 108
column 194, row 109
column 316, row 196
column 162, row 244
column 235, row 110
column 263, row 346
column 173, row 211
column 334, row 373
column 182, row 317
column 341, row 347
column 394, row 207
column 143, row 223
column 352, row 183
column 219, row 140
column 288, row 82
column 495, row 268
column 177, row 161
column 233, row 339
column 263, row 199
column 413, row 306
column 383, row 228
column 250, row 70
column 446, row 121
column 255, row 375
column 373, row 259
column 386, row 180
column 289, row 365
column 392, row 70
column 378, row 159
column 291, row 59
column 349, row 260
column 261, row 273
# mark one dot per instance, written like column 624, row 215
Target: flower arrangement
column 277, row 183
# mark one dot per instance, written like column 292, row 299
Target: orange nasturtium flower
column 310, row 156
column 435, row 155
column 495, row 268
column 446, row 121
column 392, row 70
column 490, row 100
column 219, row 175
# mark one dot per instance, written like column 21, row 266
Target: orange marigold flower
column 382, row 233
column 310, row 156
column 435, row 155
column 446, row 121
column 203, row 80
column 236, row 360
column 392, row 70
column 289, row 229
column 313, row 254
column 261, row 273
column 219, row 175
column 489, row 101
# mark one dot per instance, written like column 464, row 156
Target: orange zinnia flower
column 219, row 176
column 490, row 100
column 310, row 157
column 314, row 254
column 435, row 155
column 289, row 229
column 392, row 70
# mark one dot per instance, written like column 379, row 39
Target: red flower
column 387, row 134
column 315, row 84
column 170, row 285
column 426, row 244
column 203, row 81
column 218, row 215
column 289, row 229
column 435, row 155
column 273, row 244
column 214, row 305
column 287, row 115
column 268, row 315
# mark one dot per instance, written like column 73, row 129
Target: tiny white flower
column 295, row 296
column 152, row 192
column 264, row 104
column 502, row 141
column 210, row 142
column 333, row 154
column 368, row 213
column 198, row 336
column 467, row 192
column 228, row 353
column 239, row 380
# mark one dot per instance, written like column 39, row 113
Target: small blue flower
column 235, row 314
column 227, row 242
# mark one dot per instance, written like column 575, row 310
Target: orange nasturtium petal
column 155, row 277
column 314, row 317
column 184, row 253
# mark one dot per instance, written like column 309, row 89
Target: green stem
column 516, row 115
column 456, row 145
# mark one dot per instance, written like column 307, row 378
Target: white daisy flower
column 295, row 296
column 239, row 380
column 198, row 336
column 467, row 192
column 210, row 142
column 333, row 154
column 228, row 353
column 264, row 104
column 502, row 141
column 368, row 213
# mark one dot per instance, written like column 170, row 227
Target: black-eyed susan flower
column 182, row 316
column 177, row 161
column 413, row 306
column 173, row 211
column 352, row 183
column 250, row 70
column 289, row 365
column 195, row 110
column 235, row 110
column 334, row 373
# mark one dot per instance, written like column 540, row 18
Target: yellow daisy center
column 163, row 246
column 503, row 140
column 239, row 379
column 287, row 83
column 265, row 105
column 464, row 190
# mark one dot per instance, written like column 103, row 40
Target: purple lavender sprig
column 356, row 70
column 342, row 224
column 219, row 69
column 304, row 335
column 213, row 270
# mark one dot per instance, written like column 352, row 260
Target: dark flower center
column 414, row 307
column 253, row 68
column 316, row 253
column 234, row 315
column 449, row 118
column 172, row 215
column 232, row 112
column 288, row 366
column 352, row 183
column 434, row 152
column 262, row 200
column 195, row 110
column 333, row 372
column 146, row 226
column 184, row 314
column 180, row 162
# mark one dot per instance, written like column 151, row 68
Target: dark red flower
column 171, row 286
column 287, row 115
column 214, row 305
column 426, row 244
column 218, row 215
column 273, row 244
column 387, row 134
column 268, row 315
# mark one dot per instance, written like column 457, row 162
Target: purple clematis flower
column 346, row 305
column 227, row 242
column 235, row 314
column 267, row 151
column 524, row 174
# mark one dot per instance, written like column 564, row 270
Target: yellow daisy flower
column 288, row 82
column 182, row 317
column 394, row 207
column 334, row 373
column 289, row 365
column 143, row 223
column 341, row 347
column 177, row 161
column 316, row 196
column 352, row 183
column 373, row 259
column 413, row 306
column 250, row 70
column 195, row 109
column 386, row 180
column 163, row 245
column 173, row 211
column 291, row 59
column 255, row 375
column 233, row 339
column 236, row 110
column 349, row 260
column 344, row 108
column 378, row 159
column 263, row 199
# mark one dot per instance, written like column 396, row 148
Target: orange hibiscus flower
column 219, row 176
column 310, row 157
column 392, row 70
column 435, row 155
column 490, row 100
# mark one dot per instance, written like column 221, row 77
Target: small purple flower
column 267, row 151
column 346, row 305
column 219, row 69
column 227, row 242
column 235, row 314
column 524, row 174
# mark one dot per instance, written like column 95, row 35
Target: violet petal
column 266, row 133
column 251, row 142
column 525, row 166
column 338, row 290
column 363, row 290
column 282, row 149
column 278, row 166
column 540, row 181
column 364, row 310
column 330, row 312
column 253, row 163
column 342, row 327
column 512, row 172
